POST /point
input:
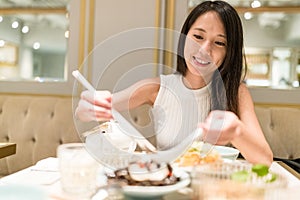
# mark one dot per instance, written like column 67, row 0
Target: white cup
column 78, row 169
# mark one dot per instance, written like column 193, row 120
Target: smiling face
column 205, row 47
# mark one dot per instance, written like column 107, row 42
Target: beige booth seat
column 37, row 124
column 281, row 126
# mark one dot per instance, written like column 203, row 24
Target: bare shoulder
column 245, row 98
column 149, row 84
column 243, row 88
column 244, row 92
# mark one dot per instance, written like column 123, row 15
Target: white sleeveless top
column 177, row 110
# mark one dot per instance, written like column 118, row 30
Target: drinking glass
column 78, row 170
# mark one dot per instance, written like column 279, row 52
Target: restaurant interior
column 43, row 41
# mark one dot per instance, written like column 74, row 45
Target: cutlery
column 83, row 81
column 123, row 124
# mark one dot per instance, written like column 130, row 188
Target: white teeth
column 201, row 61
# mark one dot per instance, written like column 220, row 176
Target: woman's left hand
column 221, row 127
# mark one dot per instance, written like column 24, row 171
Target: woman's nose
column 206, row 47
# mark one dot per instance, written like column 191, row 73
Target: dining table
column 45, row 175
column 7, row 149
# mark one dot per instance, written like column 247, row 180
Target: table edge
column 289, row 169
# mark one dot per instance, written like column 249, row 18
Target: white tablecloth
column 45, row 175
column 293, row 181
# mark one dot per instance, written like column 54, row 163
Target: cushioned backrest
column 281, row 126
column 37, row 125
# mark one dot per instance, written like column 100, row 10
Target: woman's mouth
column 199, row 61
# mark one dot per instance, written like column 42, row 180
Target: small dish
column 227, row 152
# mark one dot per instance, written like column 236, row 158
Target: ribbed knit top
column 177, row 110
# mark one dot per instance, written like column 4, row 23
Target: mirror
column 33, row 40
column 272, row 40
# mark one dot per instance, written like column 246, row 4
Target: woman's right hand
column 94, row 106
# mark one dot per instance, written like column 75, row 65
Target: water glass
column 78, row 170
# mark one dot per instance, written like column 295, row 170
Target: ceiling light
column 15, row 24
column 67, row 34
column 1, row 18
column 255, row 4
column 2, row 43
column 25, row 29
column 248, row 15
column 67, row 15
column 36, row 45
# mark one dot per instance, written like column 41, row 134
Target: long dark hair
column 227, row 79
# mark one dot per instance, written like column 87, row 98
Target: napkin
column 45, row 172
column 48, row 164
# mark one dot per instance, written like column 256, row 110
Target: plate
column 158, row 191
column 228, row 154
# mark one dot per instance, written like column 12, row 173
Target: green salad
column 258, row 171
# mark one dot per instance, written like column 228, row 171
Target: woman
column 207, row 91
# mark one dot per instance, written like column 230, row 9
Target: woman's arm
column 244, row 132
column 251, row 141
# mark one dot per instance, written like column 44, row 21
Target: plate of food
column 198, row 153
column 150, row 179
column 203, row 153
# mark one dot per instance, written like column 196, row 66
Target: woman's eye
column 221, row 44
column 199, row 37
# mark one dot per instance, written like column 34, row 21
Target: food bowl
column 219, row 181
column 227, row 152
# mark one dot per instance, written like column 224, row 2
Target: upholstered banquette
column 281, row 126
column 38, row 124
